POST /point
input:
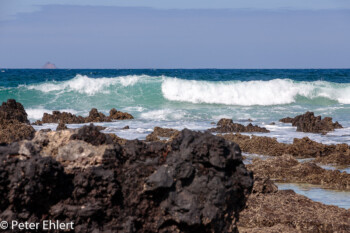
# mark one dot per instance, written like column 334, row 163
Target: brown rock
column 307, row 122
column 264, row 185
column 227, row 126
column 12, row 110
column 14, row 123
column 61, row 117
column 117, row 115
column 286, row 211
column 162, row 132
column 301, row 148
column 61, row 126
column 13, row 130
column 287, row 169
column 94, row 116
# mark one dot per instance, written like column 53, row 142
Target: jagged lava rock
column 28, row 187
column 227, row 126
column 197, row 183
column 307, row 122
column 92, row 135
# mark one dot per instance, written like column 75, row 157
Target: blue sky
column 175, row 34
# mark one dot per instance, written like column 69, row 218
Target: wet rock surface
column 225, row 125
column 94, row 116
column 338, row 154
column 308, row 122
column 197, row 183
column 271, row 210
column 159, row 133
column 14, row 123
column 287, row 169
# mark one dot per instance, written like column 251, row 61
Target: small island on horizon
column 49, row 65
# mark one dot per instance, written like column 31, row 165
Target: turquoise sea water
column 188, row 98
column 191, row 98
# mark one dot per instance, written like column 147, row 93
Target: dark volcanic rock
column 12, row 110
column 197, row 183
column 29, row 187
column 196, row 188
column 309, row 123
column 92, row 135
column 227, row 126
column 162, row 132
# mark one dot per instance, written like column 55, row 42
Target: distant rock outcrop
column 49, row 65
column 310, row 123
column 94, row 116
column 227, row 126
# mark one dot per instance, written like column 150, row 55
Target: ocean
column 187, row 98
column 191, row 99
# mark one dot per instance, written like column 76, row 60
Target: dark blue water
column 15, row 77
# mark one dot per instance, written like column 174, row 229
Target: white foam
column 86, row 85
column 272, row 92
column 163, row 114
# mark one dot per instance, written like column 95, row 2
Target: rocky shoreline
column 338, row 154
column 174, row 181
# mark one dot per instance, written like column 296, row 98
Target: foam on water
column 243, row 93
column 87, row 85
column 163, row 114
column 248, row 93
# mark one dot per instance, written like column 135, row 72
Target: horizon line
column 192, row 68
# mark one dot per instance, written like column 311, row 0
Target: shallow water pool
column 316, row 193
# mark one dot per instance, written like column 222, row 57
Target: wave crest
column 247, row 93
column 86, row 85
column 140, row 88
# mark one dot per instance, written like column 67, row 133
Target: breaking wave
column 134, row 90
column 247, row 93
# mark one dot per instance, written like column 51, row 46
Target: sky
column 175, row 34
